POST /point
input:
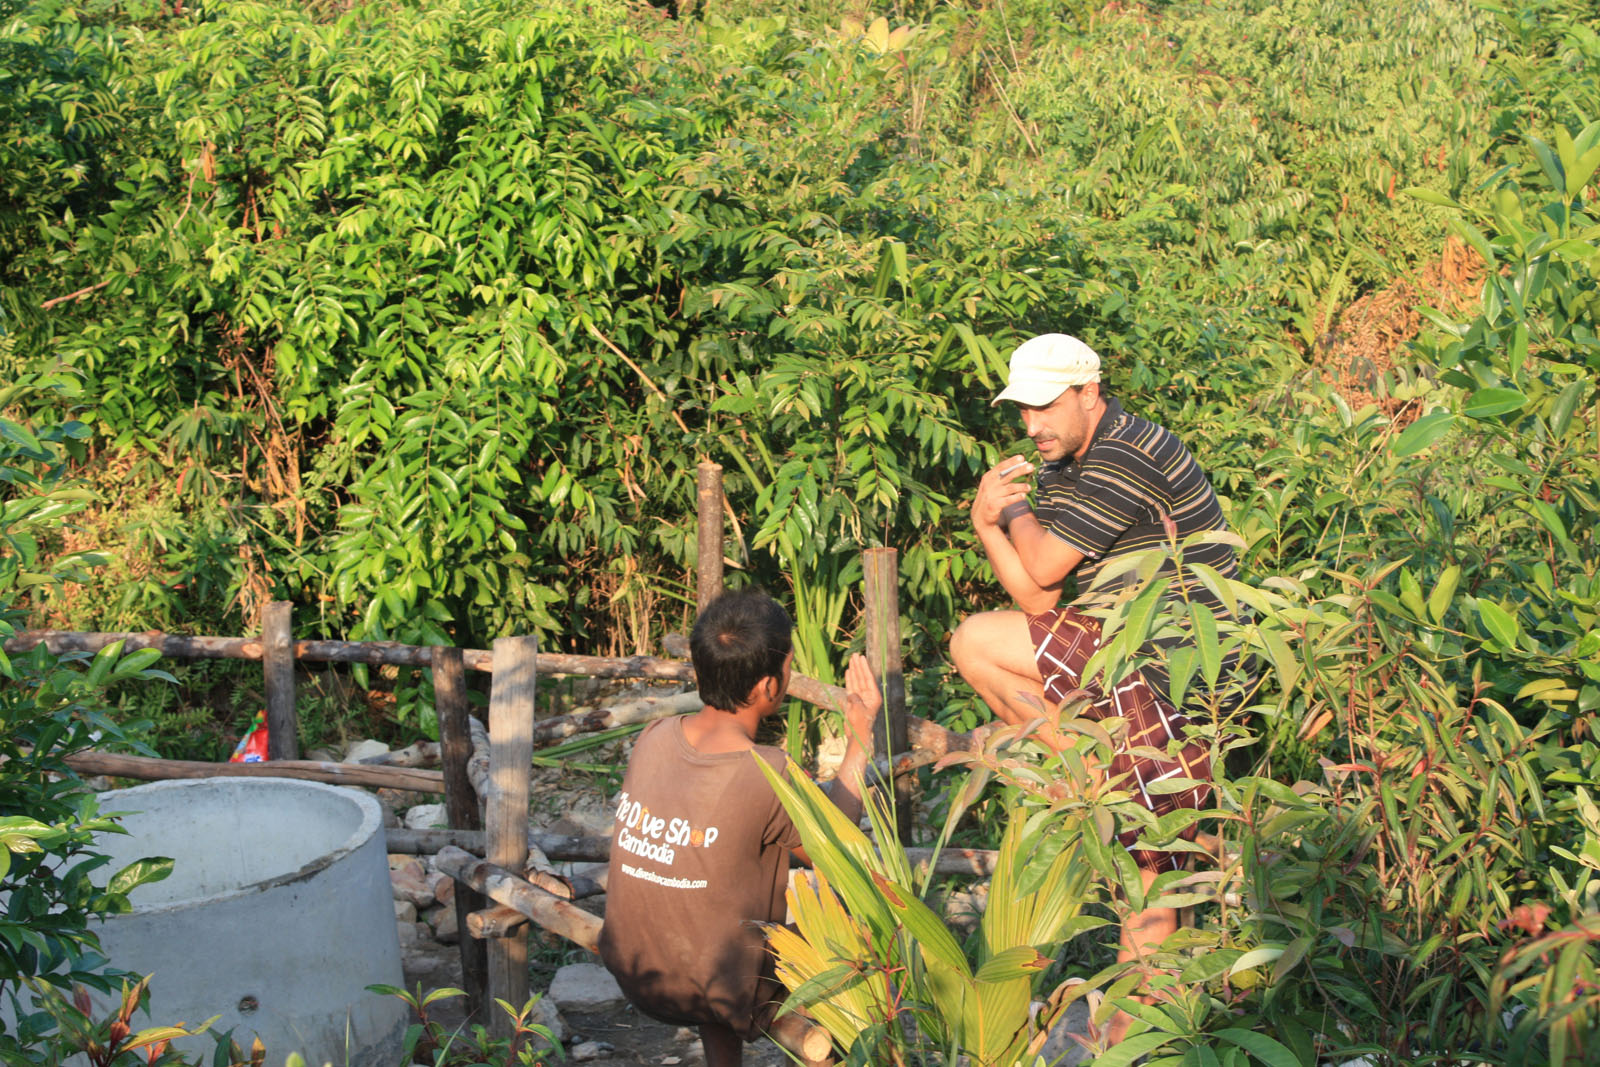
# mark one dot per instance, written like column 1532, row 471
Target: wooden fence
column 515, row 664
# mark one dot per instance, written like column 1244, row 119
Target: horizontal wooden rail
column 503, row 887
column 566, row 848
column 177, row 646
column 150, row 769
column 974, row 862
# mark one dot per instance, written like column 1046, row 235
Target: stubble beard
column 1060, row 447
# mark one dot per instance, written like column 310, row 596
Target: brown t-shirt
column 699, row 854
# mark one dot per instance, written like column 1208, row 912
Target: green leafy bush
column 48, row 710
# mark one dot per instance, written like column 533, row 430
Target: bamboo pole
column 150, row 769
column 277, row 668
column 461, row 809
column 881, row 588
column 511, row 711
column 708, row 568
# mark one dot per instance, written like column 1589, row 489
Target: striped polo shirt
column 1113, row 501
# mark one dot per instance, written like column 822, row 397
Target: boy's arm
column 862, row 702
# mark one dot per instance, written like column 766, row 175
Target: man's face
column 1060, row 428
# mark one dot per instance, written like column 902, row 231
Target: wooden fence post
column 277, row 668
column 708, row 570
column 461, row 806
column 881, row 582
column 511, row 710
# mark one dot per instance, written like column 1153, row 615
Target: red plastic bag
column 252, row 747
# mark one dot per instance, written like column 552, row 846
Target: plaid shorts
column 1063, row 641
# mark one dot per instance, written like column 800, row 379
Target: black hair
column 739, row 639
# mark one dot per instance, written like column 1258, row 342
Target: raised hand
column 862, row 701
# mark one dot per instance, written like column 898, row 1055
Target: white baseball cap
column 1046, row 366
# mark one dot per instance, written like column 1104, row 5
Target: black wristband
column 1013, row 511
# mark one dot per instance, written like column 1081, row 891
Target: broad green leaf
column 136, row 661
column 1443, row 592
column 1254, row 958
column 104, row 661
column 1125, row 1053
column 1430, row 196
column 1262, row 1047
column 1474, row 237
column 1020, row 961
column 1423, row 433
column 140, row 872
column 1501, row 624
column 1206, row 643
column 1486, row 403
column 1293, row 953
column 1566, row 404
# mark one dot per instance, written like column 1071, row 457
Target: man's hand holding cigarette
column 1002, row 493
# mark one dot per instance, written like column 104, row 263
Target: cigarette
column 1018, row 465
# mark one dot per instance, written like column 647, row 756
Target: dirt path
column 616, row 1036
column 635, row 1039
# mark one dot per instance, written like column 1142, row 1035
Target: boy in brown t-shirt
column 700, row 849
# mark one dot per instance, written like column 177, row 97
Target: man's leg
column 994, row 653
column 1153, row 725
column 1142, row 932
column 723, row 1047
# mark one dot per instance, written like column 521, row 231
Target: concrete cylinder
column 277, row 916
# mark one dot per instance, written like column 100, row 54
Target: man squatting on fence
column 700, row 847
column 1109, row 483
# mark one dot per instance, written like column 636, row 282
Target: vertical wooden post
column 881, row 581
column 511, row 708
column 708, row 571
column 461, row 806
column 277, row 666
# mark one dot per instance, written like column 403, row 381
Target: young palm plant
column 878, row 968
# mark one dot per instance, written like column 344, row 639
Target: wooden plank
column 881, row 586
column 461, row 810
column 511, row 711
column 150, row 769
column 708, row 565
column 277, row 668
